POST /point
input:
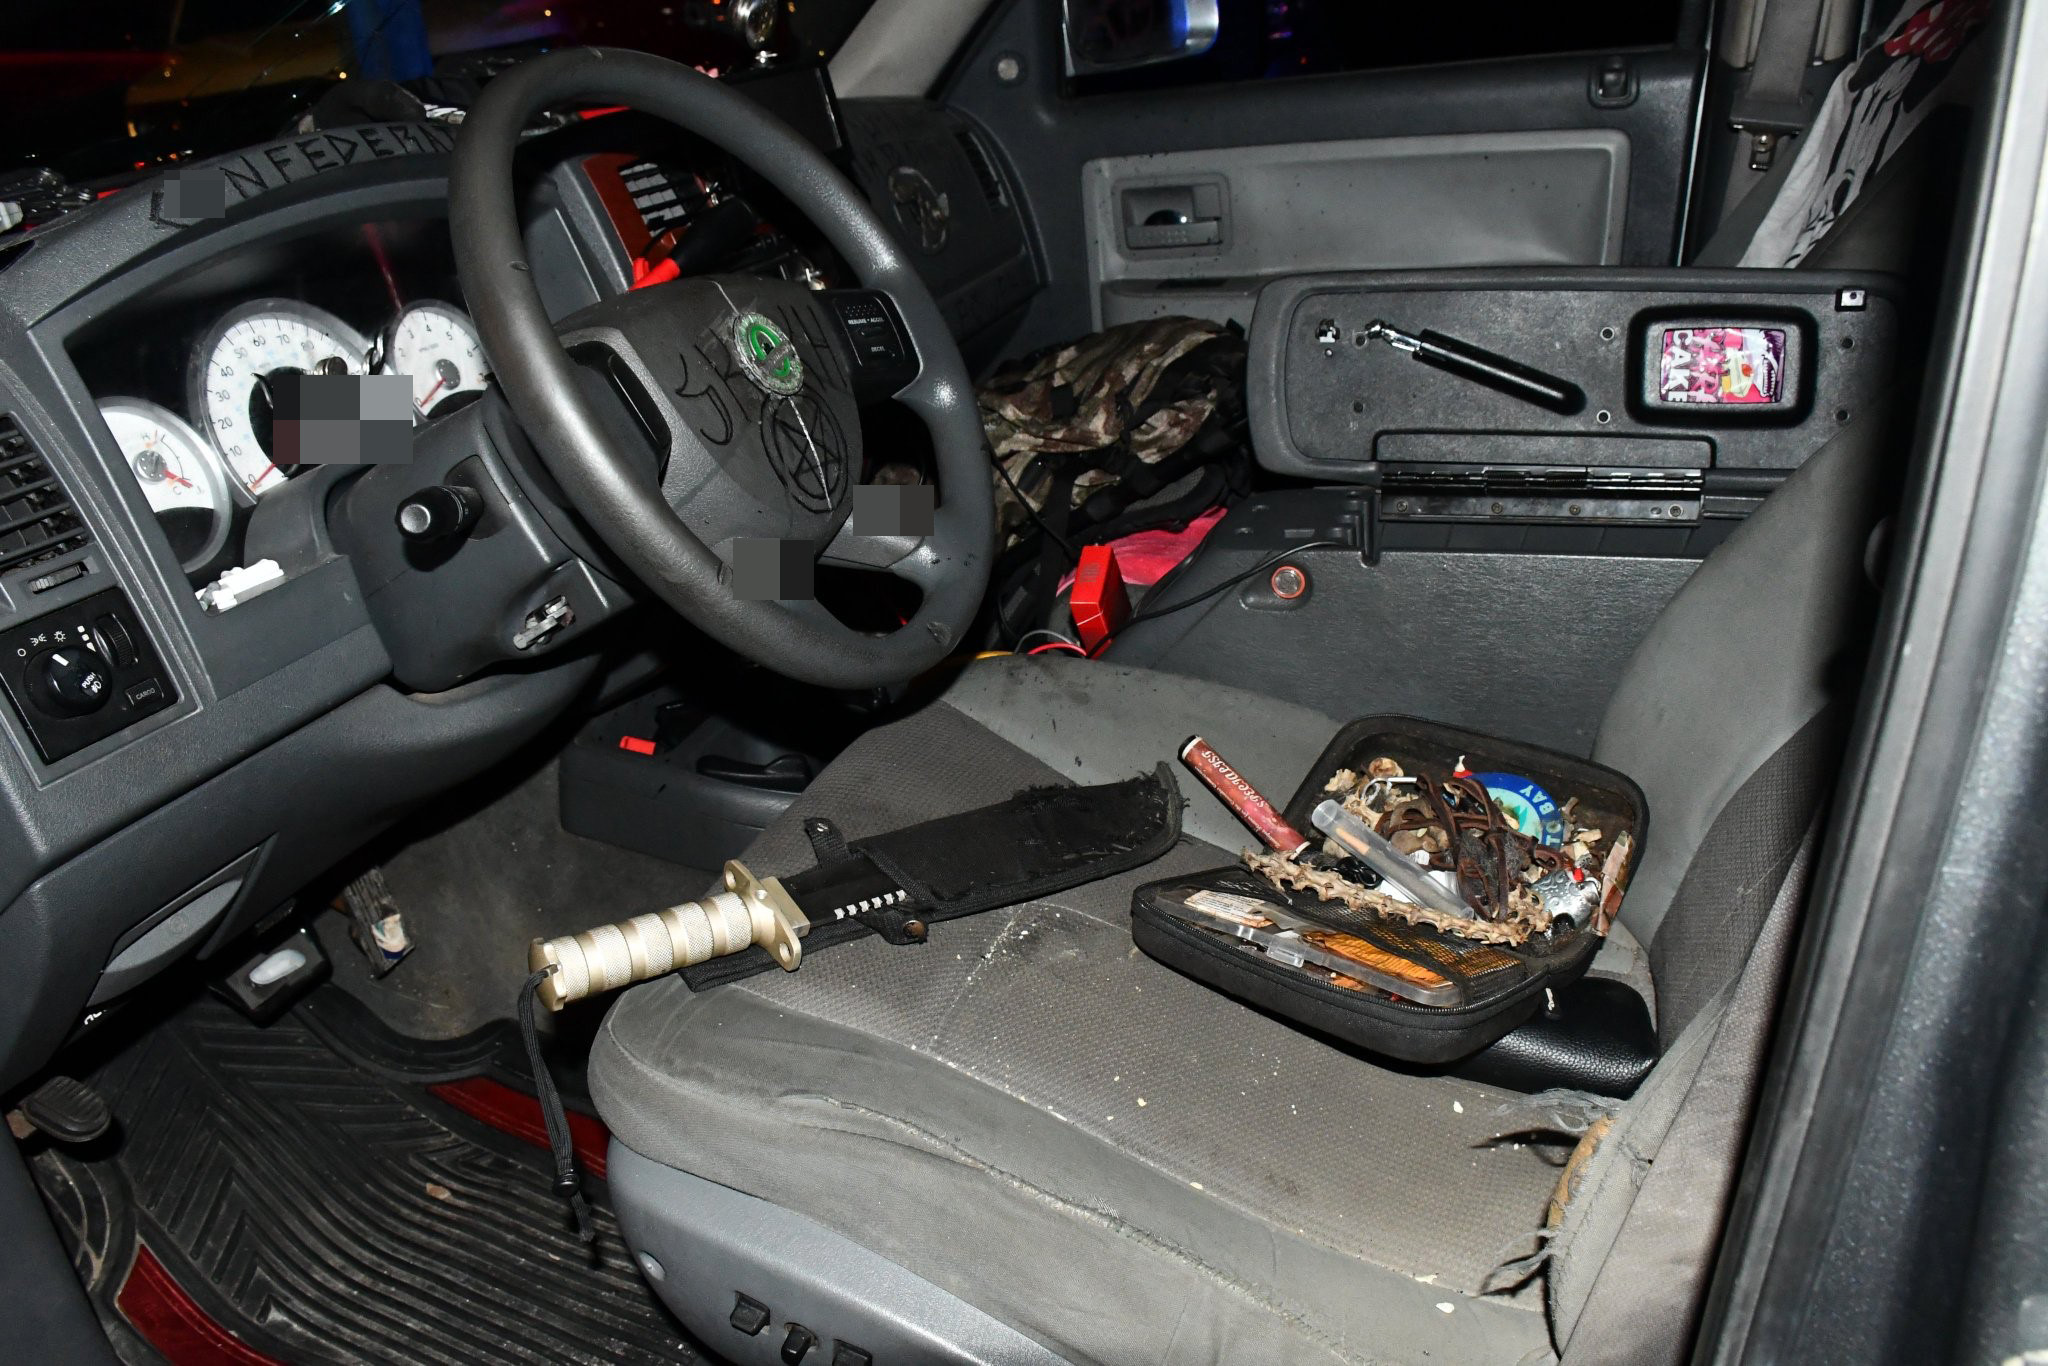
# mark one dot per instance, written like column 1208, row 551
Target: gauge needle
column 439, row 384
column 268, row 470
column 163, row 469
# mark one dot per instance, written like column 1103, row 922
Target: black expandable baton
column 1483, row 367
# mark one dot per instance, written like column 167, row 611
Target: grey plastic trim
column 708, row 1244
column 1548, row 197
column 371, row 760
column 1218, row 300
column 149, row 947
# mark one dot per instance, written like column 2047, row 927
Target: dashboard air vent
column 37, row 519
column 992, row 187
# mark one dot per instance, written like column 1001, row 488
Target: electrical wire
column 1154, row 613
column 1032, row 512
column 1057, row 638
column 1058, row 645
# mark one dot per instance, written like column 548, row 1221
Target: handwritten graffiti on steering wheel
column 806, row 446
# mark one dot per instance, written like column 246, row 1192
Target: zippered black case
column 1498, row 1002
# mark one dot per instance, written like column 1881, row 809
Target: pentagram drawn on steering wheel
column 806, row 444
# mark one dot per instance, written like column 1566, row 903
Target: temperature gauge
column 436, row 346
column 178, row 473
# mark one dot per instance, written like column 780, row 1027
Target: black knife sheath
column 1041, row 841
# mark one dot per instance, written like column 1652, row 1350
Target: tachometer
column 436, row 346
column 179, row 474
column 237, row 371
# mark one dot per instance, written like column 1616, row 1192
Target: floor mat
column 478, row 876
column 265, row 1198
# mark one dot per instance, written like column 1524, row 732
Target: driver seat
column 1026, row 1141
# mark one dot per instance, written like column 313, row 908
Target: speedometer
column 435, row 345
column 237, row 372
column 178, row 473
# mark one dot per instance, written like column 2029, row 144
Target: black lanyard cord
column 568, row 1177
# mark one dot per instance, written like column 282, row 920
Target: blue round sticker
column 1533, row 810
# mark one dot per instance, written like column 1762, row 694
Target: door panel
column 1242, row 214
column 1532, row 199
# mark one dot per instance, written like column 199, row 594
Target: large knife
column 1038, row 841
column 775, row 913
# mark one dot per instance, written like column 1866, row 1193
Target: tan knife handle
column 749, row 911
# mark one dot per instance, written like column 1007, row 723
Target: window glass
column 1263, row 40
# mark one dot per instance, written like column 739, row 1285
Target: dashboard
column 223, row 668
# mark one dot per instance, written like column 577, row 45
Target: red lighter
column 1098, row 602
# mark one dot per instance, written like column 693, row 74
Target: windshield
column 98, row 87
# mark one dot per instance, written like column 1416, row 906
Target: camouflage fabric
column 1056, row 413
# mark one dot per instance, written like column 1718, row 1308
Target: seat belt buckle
column 1769, row 119
column 1769, row 124
column 1763, row 150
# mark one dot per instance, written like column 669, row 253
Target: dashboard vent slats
column 992, row 187
column 37, row 518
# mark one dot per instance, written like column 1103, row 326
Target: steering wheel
column 749, row 388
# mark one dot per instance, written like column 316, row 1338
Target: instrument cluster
column 231, row 446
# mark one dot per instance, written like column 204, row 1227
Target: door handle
column 1161, row 217
column 1186, row 232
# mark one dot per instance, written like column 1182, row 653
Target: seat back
column 1727, row 715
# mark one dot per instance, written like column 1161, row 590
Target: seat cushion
column 1111, row 1158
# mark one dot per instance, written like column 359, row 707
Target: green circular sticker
column 767, row 354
